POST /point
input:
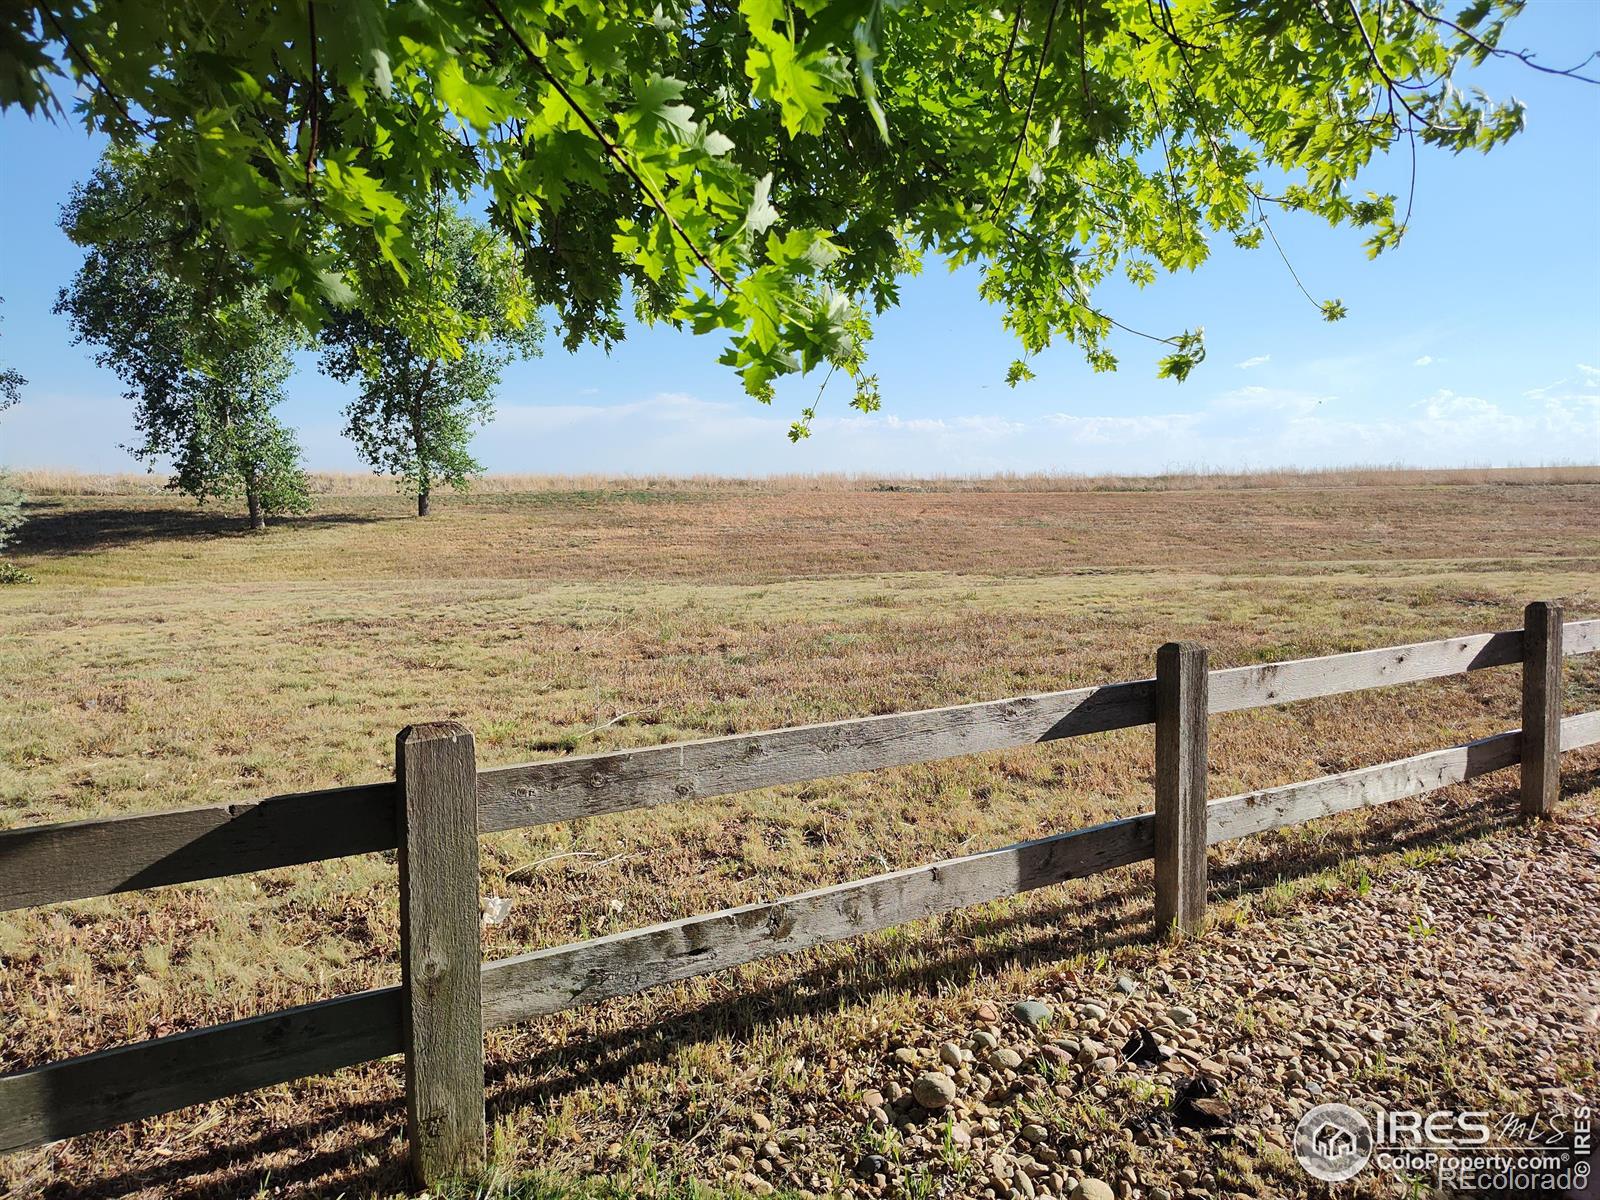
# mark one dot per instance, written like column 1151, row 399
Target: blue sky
column 1477, row 342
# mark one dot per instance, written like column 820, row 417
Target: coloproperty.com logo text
column 1470, row 1151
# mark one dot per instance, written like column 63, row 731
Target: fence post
column 1541, row 708
column 436, row 774
column 1182, row 688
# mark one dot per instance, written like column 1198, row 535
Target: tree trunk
column 258, row 518
column 424, row 481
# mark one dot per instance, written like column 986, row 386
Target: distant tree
column 11, row 382
column 11, row 519
column 418, row 405
column 203, row 360
column 11, row 497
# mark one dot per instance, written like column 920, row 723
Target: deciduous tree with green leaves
column 204, row 361
column 771, row 169
column 11, row 382
column 418, row 403
column 11, row 497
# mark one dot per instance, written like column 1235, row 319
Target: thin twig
column 99, row 83
column 1411, row 188
column 525, row 871
column 605, row 862
column 1169, row 27
column 1033, row 96
column 1083, row 59
column 1017, row 231
column 711, row 1120
column 1267, row 225
column 1152, row 337
column 1395, row 90
column 827, row 379
column 313, row 117
column 608, row 724
column 1522, row 56
column 1161, row 132
column 1011, row 46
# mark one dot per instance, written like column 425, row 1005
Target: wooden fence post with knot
column 1541, row 708
column 1182, row 700
column 440, row 955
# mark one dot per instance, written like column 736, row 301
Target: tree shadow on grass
column 55, row 528
column 1071, row 924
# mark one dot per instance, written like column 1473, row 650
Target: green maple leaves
column 758, row 170
column 804, row 85
column 656, row 115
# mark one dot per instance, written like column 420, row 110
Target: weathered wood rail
column 439, row 802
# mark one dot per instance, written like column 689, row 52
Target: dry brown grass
column 55, row 482
column 651, row 537
column 164, row 658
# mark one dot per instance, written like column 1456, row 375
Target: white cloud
column 1452, row 411
column 1122, row 431
column 1257, row 361
column 1240, row 427
column 985, row 425
column 1591, row 375
column 681, row 433
column 1579, row 414
column 1423, row 361
column 1257, row 399
column 664, row 409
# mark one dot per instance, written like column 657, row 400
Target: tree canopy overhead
column 772, row 169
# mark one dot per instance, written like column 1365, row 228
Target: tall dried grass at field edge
column 60, row 482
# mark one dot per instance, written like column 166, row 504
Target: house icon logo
column 1333, row 1142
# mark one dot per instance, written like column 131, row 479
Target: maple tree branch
column 1396, row 92
column 1522, row 56
column 1033, row 96
column 99, row 84
column 1011, row 46
column 1293, row 274
column 313, row 119
column 611, row 148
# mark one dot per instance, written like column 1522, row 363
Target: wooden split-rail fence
column 439, row 803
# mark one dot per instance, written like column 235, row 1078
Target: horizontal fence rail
column 45, row 864
column 97, row 1091
column 549, row 981
column 592, row 784
column 87, row 858
column 75, row 860
column 563, row 977
column 78, row 1095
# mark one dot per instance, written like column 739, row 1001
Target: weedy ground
column 166, row 658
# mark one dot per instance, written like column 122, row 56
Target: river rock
column 1033, row 1013
column 933, row 1090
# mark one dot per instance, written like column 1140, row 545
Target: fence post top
column 432, row 731
column 1540, row 608
column 1180, row 650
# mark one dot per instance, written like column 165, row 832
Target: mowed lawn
column 165, row 658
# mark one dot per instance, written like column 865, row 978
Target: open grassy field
column 164, row 657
